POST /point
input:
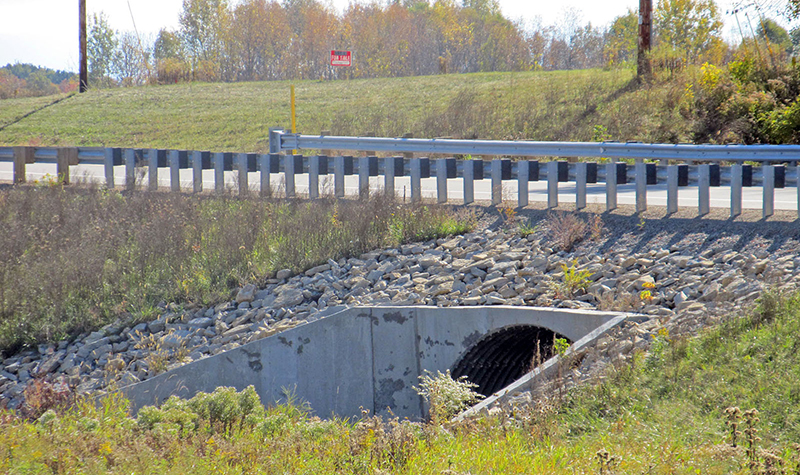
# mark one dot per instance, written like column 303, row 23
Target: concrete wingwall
column 359, row 357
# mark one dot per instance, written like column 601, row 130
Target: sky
column 45, row 32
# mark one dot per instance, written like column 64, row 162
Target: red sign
column 341, row 58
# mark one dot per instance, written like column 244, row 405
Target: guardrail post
column 108, row 166
column 416, row 180
column 363, row 177
column 580, row 184
column 197, row 171
column 611, row 186
column 64, row 158
column 768, row 208
column 338, row 176
column 497, row 182
column 469, row 181
column 152, row 169
column 441, row 180
column 22, row 156
column 641, row 185
column 388, row 176
column 523, row 174
column 797, row 185
column 289, row 174
column 313, row 177
column 552, row 184
column 219, row 172
column 130, row 168
column 703, row 189
column 736, row 190
column 263, row 168
column 275, row 139
column 174, row 171
column 244, row 185
column 672, row 189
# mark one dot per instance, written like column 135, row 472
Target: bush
column 446, row 396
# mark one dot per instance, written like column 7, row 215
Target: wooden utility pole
column 83, row 76
column 643, row 69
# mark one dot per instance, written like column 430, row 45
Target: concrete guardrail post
column 672, row 189
column 523, row 174
column 611, row 186
column 174, row 171
column 244, row 185
column 441, row 180
column 108, row 167
column 197, row 171
column 338, row 176
column 703, row 189
column 580, row 184
column 152, row 169
column 219, row 172
column 768, row 208
column 552, row 184
column 736, row 190
column 416, row 180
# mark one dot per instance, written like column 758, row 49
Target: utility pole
column 643, row 69
column 83, row 75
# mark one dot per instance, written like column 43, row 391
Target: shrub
column 566, row 229
column 446, row 396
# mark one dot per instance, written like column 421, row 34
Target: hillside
column 557, row 105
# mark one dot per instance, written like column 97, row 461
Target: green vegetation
column 685, row 407
column 74, row 259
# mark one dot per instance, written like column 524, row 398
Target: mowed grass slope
column 558, row 105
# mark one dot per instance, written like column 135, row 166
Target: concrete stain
column 471, row 339
column 384, row 394
column 396, row 317
column 286, row 342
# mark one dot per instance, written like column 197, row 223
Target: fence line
column 768, row 176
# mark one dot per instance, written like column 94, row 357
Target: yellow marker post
column 294, row 115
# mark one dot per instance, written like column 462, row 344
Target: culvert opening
column 502, row 357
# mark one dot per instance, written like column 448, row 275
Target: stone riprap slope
column 695, row 270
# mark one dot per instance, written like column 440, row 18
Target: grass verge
column 74, row 259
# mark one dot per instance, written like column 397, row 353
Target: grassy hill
column 558, row 105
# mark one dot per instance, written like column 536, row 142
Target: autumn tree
column 621, row 39
column 692, row 28
column 204, row 25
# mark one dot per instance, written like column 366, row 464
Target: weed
column 446, row 396
column 733, row 417
column 566, row 230
column 41, row 396
column 596, row 228
column 572, row 281
column 560, row 346
column 158, row 354
column 606, row 462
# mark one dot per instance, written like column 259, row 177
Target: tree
column 100, row 49
column 167, row 46
column 621, row 38
column 204, row 25
column 131, row 62
column 693, row 28
column 775, row 34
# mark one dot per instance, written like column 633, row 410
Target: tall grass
column 73, row 259
column 663, row 412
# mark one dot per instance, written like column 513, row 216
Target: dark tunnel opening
column 502, row 357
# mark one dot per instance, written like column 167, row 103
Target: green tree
column 167, row 46
column 204, row 26
column 101, row 45
column 775, row 34
column 621, row 39
column 693, row 28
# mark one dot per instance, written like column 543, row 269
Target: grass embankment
column 557, row 105
column 660, row 413
column 73, row 259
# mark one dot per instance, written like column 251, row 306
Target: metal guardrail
column 768, row 176
column 281, row 141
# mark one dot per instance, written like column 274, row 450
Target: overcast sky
column 45, row 32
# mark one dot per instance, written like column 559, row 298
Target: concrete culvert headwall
column 503, row 356
column 372, row 358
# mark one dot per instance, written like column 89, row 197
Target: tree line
column 254, row 40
